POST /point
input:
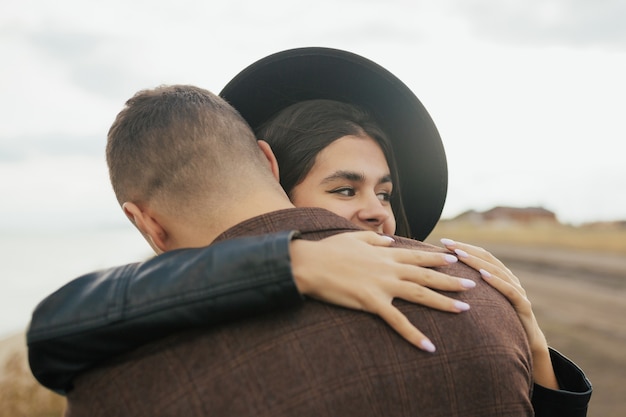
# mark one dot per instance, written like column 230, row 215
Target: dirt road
column 579, row 299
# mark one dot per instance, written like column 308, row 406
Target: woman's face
column 351, row 178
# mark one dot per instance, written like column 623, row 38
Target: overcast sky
column 528, row 95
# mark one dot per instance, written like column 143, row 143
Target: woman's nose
column 373, row 212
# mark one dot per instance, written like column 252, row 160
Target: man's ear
column 151, row 229
column 269, row 154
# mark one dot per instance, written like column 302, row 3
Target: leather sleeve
column 103, row 314
column 572, row 399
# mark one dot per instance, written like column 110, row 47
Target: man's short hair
column 169, row 143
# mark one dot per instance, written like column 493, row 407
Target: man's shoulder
column 312, row 223
column 404, row 242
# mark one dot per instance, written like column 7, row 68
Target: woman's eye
column 384, row 196
column 346, row 191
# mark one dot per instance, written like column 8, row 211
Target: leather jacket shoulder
column 105, row 313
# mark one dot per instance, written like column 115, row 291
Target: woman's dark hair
column 299, row 132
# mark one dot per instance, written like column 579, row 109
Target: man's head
column 183, row 157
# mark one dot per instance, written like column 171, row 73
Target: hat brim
column 284, row 78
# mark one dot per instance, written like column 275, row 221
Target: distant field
column 609, row 239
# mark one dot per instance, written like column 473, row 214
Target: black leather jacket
column 106, row 313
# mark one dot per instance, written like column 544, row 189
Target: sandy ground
column 579, row 299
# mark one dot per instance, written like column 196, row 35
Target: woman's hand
column 501, row 278
column 358, row 270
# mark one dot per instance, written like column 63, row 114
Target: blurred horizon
column 75, row 221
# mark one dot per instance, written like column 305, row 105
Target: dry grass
column 21, row 395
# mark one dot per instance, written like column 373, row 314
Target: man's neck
column 249, row 209
column 203, row 232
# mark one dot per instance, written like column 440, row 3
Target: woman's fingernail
column 460, row 305
column 467, row 283
column 451, row 258
column 447, row 242
column 461, row 253
column 428, row 346
column 484, row 273
column 389, row 238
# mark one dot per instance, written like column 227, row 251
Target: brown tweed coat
column 321, row 360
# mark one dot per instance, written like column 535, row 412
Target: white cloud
column 545, row 22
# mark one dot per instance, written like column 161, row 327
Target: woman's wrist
column 543, row 371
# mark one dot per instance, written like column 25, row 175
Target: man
column 317, row 360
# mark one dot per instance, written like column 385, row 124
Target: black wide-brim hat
column 284, row 78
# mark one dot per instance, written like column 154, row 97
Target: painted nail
column 467, row 283
column 460, row 305
column 451, row 258
column 484, row 273
column 461, row 253
column 389, row 238
column 428, row 346
column 447, row 242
